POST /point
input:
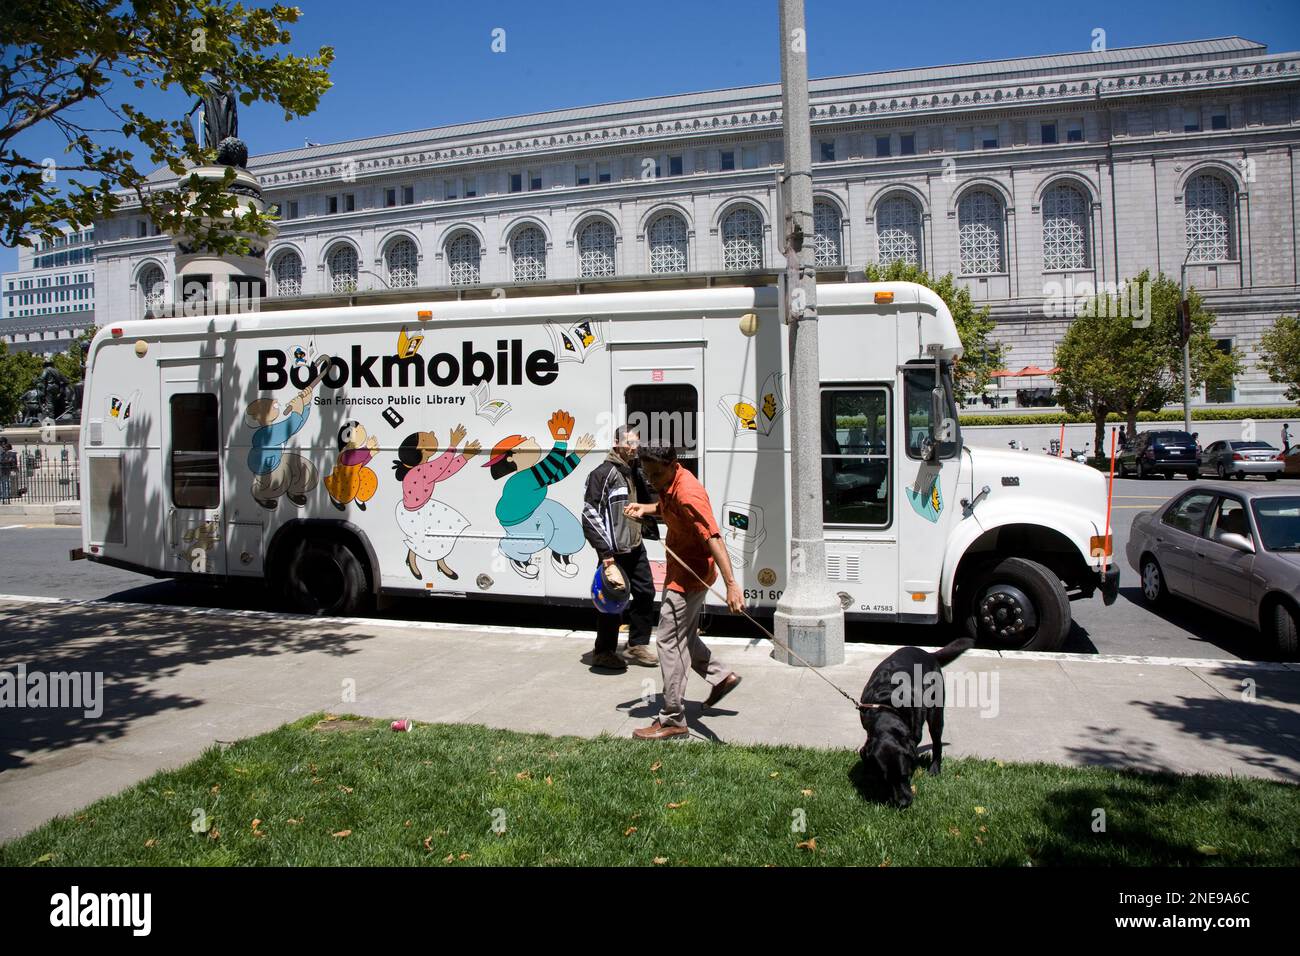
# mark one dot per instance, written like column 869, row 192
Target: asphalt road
column 34, row 561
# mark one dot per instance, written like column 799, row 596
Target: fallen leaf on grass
column 979, row 810
column 656, row 765
column 169, row 793
column 549, row 781
column 979, row 840
column 984, row 829
column 151, row 842
column 342, row 833
column 775, row 773
column 449, row 858
column 428, row 843
column 1207, row 850
column 658, row 781
column 808, row 845
column 629, row 831
column 241, row 770
column 216, row 788
column 660, row 860
column 954, row 831
column 407, row 823
column 524, row 775
column 677, row 806
column 883, row 863
column 214, row 833
column 806, row 793
column 345, row 789
column 293, row 821
column 315, row 780
column 44, row 858
column 463, row 856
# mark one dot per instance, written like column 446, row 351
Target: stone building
column 1020, row 176
column 50, row 298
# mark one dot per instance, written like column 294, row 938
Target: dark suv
column 1160, row 453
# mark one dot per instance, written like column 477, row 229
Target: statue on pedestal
column 221, row 124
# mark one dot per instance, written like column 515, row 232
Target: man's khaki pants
column 680, row 651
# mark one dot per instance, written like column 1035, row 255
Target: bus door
column 191, row 461
column 928, row 495
column 658, row 387
column 858, row 490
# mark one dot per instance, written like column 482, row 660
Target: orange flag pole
column 1060, row 450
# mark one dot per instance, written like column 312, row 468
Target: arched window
column 979, row 233
column 898, row 231
column 1207, row 205
column 667, row 236
column 742, row 240
column 826, row 234
column 153, row 288
column 1065, row 228
column 528, row 254
column 400, row 260
column 463, row 259
column 286, row 274
column 342, row 266
column 596, row 250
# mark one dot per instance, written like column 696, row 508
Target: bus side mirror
column 941, row 426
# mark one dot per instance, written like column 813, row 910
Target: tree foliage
column 68, row 60
column 981, row 356
column 18, row 371
column 1112, row 360
column 1279, row 354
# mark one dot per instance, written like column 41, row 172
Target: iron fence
column 41, row 473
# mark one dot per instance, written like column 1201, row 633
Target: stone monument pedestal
column 208, row 282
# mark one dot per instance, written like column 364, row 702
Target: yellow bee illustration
column 746, row 413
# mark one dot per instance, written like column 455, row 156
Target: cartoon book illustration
column 926, row 499
column 573, row 343
column 121, row 409
column 761, row 414
column 485, row 406
column 408, row 345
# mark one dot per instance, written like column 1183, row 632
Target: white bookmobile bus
column 443, row 449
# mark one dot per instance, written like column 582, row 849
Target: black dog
column 898, row 700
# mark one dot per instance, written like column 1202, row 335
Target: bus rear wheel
column 325, row 578
column 1018, row 605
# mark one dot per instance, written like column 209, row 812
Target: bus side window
column 667, row 415
column 855, row 456
column 196, row 458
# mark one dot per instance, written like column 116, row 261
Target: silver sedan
column 1234, row 551
column 1240, row 459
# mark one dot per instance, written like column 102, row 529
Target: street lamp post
column 1186, row 336
column 809, row 620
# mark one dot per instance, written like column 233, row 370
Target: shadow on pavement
column 133, row 650
column 1206, row 627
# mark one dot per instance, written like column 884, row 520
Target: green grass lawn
column 350, row 791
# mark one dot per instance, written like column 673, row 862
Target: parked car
column 1163, row 452
column 1290, row 460
column 1236, row 552
column 1237, row 459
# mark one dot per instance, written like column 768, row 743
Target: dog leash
column 773, row 638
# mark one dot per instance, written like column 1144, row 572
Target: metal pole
column 808, row 619
column 1187, row 346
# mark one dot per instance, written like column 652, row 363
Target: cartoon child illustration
column 531, row 520
column 351, row 480
column 429, row 526
column 276, row 472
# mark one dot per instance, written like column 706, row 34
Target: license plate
column 1175, row 451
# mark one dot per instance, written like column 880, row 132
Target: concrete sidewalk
column 176, row 680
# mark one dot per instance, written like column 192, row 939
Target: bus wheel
column 1019, row 605
column 325, row 578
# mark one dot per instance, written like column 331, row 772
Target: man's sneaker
column 608, row 660
column 524, row 569
column 641, row 654
column 563, row 564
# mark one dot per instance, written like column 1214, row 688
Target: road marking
column 10, row 527
column 854, row 649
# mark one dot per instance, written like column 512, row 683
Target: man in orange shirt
column 694, row 537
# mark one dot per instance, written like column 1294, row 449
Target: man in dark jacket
column 616, row 538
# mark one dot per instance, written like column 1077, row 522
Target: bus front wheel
column 1018, row 604
column 325, row 578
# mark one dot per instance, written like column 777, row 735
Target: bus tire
column 325, row 578
column 1018, row 604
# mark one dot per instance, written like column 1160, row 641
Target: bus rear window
column 196, row 467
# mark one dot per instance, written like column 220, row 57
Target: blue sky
column 404, row 64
